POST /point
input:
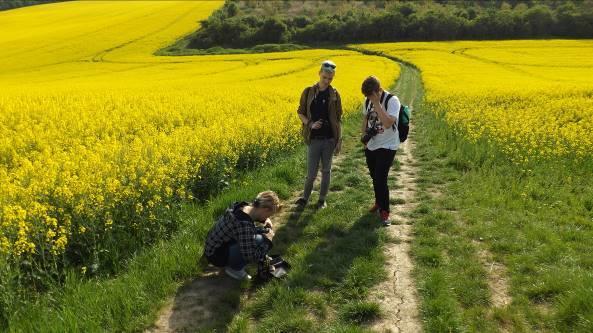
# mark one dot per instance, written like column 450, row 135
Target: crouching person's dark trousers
column 229, row 254
column 379, row 162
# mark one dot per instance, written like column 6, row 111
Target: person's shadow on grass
column 204, row 304
column 209, row 302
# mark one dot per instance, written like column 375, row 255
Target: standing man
column 381, row 139
column 320, row 111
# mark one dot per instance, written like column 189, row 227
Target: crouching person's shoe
column 237, row 275
column 301, row 202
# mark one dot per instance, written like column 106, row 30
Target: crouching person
column 235, row 240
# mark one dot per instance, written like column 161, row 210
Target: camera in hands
column 368, row 135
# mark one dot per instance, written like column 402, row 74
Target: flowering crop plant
column 100, row 139
column 533, row 99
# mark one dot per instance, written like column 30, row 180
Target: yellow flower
column 49, row 235
column 536, row 106
column 115, row 139
column 60, row 244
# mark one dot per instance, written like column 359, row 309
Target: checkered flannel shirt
column 229, row 227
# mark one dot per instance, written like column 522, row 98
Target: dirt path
column 198, row 304
column 201, row 305
column 397, row 295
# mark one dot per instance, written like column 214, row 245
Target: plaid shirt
column 235, row 225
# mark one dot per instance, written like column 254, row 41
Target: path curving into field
column 200, row 304
column 397, row 295
column 208, row 302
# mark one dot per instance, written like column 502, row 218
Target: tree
column 539, row 19
column 272, row 31
column 232, row 9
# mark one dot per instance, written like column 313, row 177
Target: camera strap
column 368, row 106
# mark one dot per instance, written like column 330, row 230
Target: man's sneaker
column 302, row 202
column 385, row 218
column 374, row 208
column 321, row 204
column 237, row 275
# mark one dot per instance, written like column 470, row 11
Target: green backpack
column 403, row 122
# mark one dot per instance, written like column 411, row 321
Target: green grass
column 130, row 301
column 360, row 312
column 336, row 256
column 537, row 220
column 538, row 223
column 180, row 49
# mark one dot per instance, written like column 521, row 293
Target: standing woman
column 320, row 111
column 381, row 140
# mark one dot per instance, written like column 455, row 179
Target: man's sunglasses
column 329, row 66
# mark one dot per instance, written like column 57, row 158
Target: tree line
column 12, row 4
column 236, row 25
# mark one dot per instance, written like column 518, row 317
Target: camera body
column 262, row 230
column 272, row 267
column 368, row 135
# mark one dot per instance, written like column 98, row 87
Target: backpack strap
column 367, row 105
column 387, row 100
column 389, row 96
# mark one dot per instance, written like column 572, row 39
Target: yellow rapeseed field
column 99, row 137
column 534, row 99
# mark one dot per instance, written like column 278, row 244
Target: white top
column 387, row 138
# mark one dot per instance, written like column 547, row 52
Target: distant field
column 530, row 98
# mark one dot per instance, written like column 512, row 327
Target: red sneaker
column 385, row 218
